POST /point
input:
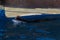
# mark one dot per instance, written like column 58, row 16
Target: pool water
column 49, row 30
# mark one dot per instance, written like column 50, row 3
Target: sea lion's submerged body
column 38, row 18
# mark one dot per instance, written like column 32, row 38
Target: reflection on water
column 49, row 30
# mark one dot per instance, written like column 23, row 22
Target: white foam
column 16, row 22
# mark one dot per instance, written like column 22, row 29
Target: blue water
column 49, row 30
column 30, row 31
